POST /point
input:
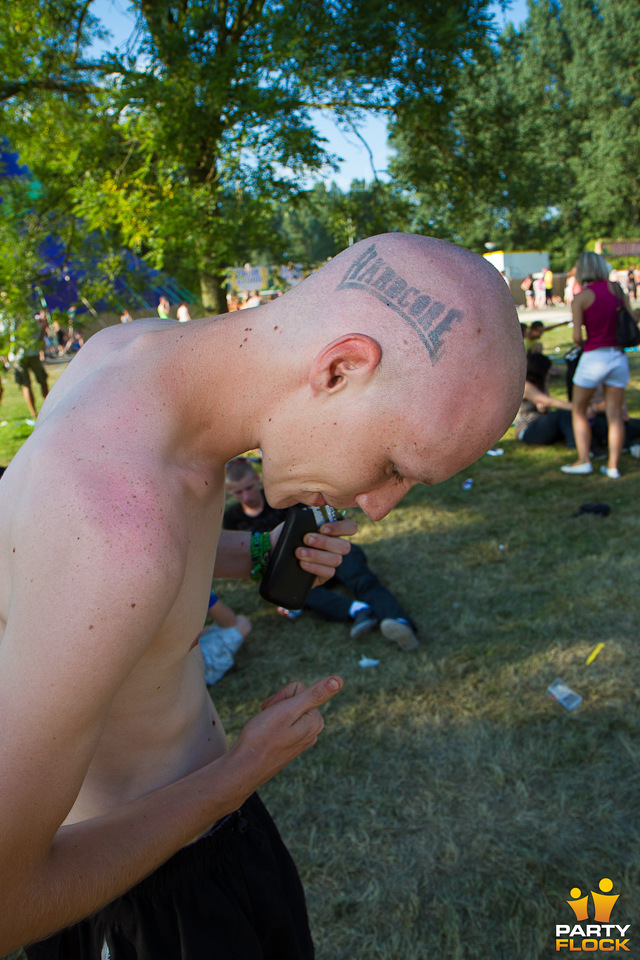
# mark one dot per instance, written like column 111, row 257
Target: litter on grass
column 594, row 653
column 365, row 661
column 595, row 507
column 559, row 691
column 218, row 646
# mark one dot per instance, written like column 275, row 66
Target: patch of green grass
column 14, row 429
column 450, row 805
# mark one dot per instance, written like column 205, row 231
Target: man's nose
column 379, row 503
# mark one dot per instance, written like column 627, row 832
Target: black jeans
column 356, row 576
column 599, row 432
column 551, row 427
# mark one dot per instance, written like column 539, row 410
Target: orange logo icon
column 602, row 901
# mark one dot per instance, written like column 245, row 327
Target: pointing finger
column 291, row 690
column 317, row 694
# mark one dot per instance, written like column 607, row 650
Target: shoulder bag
column 627, row 331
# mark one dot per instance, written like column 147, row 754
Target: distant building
column 618, row 248
column 520, row 263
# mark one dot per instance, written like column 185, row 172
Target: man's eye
column 395, row 473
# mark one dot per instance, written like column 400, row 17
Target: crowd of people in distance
column 594, row 417
column 538, row 290
column 538, row 287
column 242, row 300
column 245, row 299
column 40, row 339
column 58, row 342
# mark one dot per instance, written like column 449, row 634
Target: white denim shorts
column 608, row 365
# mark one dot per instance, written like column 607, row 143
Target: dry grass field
column 450, row 806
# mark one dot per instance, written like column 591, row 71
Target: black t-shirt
column 236, row 519
column 538, row 366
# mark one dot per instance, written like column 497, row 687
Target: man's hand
column 289, row 724
column 323, row 551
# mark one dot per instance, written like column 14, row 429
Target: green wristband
column 260, row 550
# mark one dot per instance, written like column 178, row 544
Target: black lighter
column 285, row 583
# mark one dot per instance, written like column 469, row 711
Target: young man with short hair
column 374, row 605
column 121, row 801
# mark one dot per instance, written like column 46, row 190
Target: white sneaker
column 612, row 472
column 581, row 468
column 400, row 632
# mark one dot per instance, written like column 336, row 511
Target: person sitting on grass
column 374, row 605
column 597, row 416
column 541, row 418
column 221, row 639
column 532, row 337
column 223, row 616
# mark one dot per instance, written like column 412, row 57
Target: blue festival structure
column 138, row 286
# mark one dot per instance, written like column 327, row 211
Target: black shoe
column 363, row 622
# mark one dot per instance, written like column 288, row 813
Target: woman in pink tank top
column 602, row 362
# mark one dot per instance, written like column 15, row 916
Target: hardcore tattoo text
column 424, row 314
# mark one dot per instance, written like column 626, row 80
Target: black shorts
column 233, row 895
column 33, row 364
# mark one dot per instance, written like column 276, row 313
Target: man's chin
column 281, row 502
column 308, row 499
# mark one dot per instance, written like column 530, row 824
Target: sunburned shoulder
column 119, row 509
column 111, row 536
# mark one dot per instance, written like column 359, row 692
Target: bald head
column 420, row 337
column 398, row 271
column 437, row 304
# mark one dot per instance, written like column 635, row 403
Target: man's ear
column 350, row 358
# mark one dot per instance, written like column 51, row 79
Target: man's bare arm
column 542, row 400
column 58, row 676
column 91, row 863
column 60, row 668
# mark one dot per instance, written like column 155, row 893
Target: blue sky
column 356, row 163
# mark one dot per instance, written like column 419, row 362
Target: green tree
column 541, row 144
column 184, row 143
column 325, row 220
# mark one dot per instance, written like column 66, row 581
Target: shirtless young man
column 356, row 385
